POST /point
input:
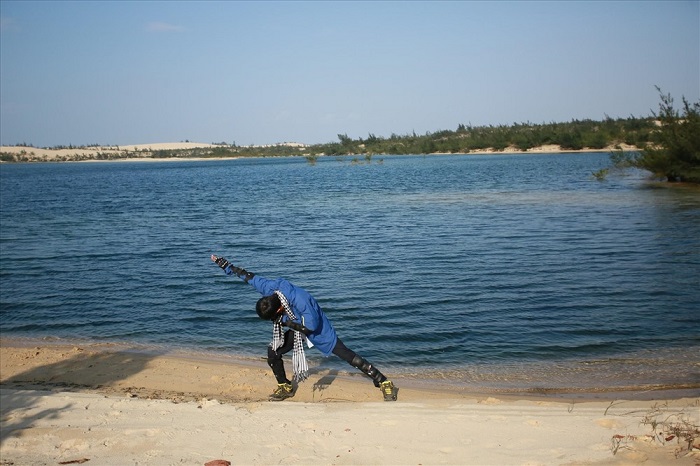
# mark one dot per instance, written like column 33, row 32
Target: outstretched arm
column 297, row 327
column 231, row 269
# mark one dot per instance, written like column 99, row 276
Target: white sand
column 47, row 428
column 120, row 408
column 35, row 153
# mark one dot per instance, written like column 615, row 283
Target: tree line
column 573, row 135
column 666, row 143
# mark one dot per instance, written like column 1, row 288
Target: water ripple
column 488, row 270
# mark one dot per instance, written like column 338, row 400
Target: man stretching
column 288, row 305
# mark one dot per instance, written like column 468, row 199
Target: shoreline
column 90, row 154
column 121, row 369
column 105, row 404
column 440, row 383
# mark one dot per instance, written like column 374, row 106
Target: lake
column 509, row 272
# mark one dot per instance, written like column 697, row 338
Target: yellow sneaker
column 389, row 391
column 282, row 392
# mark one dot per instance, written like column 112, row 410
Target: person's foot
column 282, row 392
column 389, row 391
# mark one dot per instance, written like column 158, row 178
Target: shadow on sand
column 81, row 372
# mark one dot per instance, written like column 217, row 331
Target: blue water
column 515, row 272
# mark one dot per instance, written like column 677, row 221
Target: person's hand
column 229, row 268
column 220, row 261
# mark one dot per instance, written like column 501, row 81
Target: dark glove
column 297, row 327
column 221, row 262
column 230, row 268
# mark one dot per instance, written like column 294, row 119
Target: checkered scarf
column 301, row 368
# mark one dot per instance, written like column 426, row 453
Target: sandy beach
column 132, row 152
column 103, row 404
column 143, row 152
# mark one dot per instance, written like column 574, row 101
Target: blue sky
column 263, row 72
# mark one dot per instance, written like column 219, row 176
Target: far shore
column 145, row 152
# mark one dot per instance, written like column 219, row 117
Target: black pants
column 274, row 358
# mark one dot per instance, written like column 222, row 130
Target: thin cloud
column 159, row 26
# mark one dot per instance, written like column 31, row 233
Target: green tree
column 345, row 140
column 427, row 146
column 674, row 153
column 570, row 138
column 596, row 140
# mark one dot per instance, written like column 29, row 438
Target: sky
column 266, row 72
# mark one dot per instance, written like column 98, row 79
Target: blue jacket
column 305, row 308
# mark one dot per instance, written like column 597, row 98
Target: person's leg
column 355, row 360
column 388, row 389
column 274, row 358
